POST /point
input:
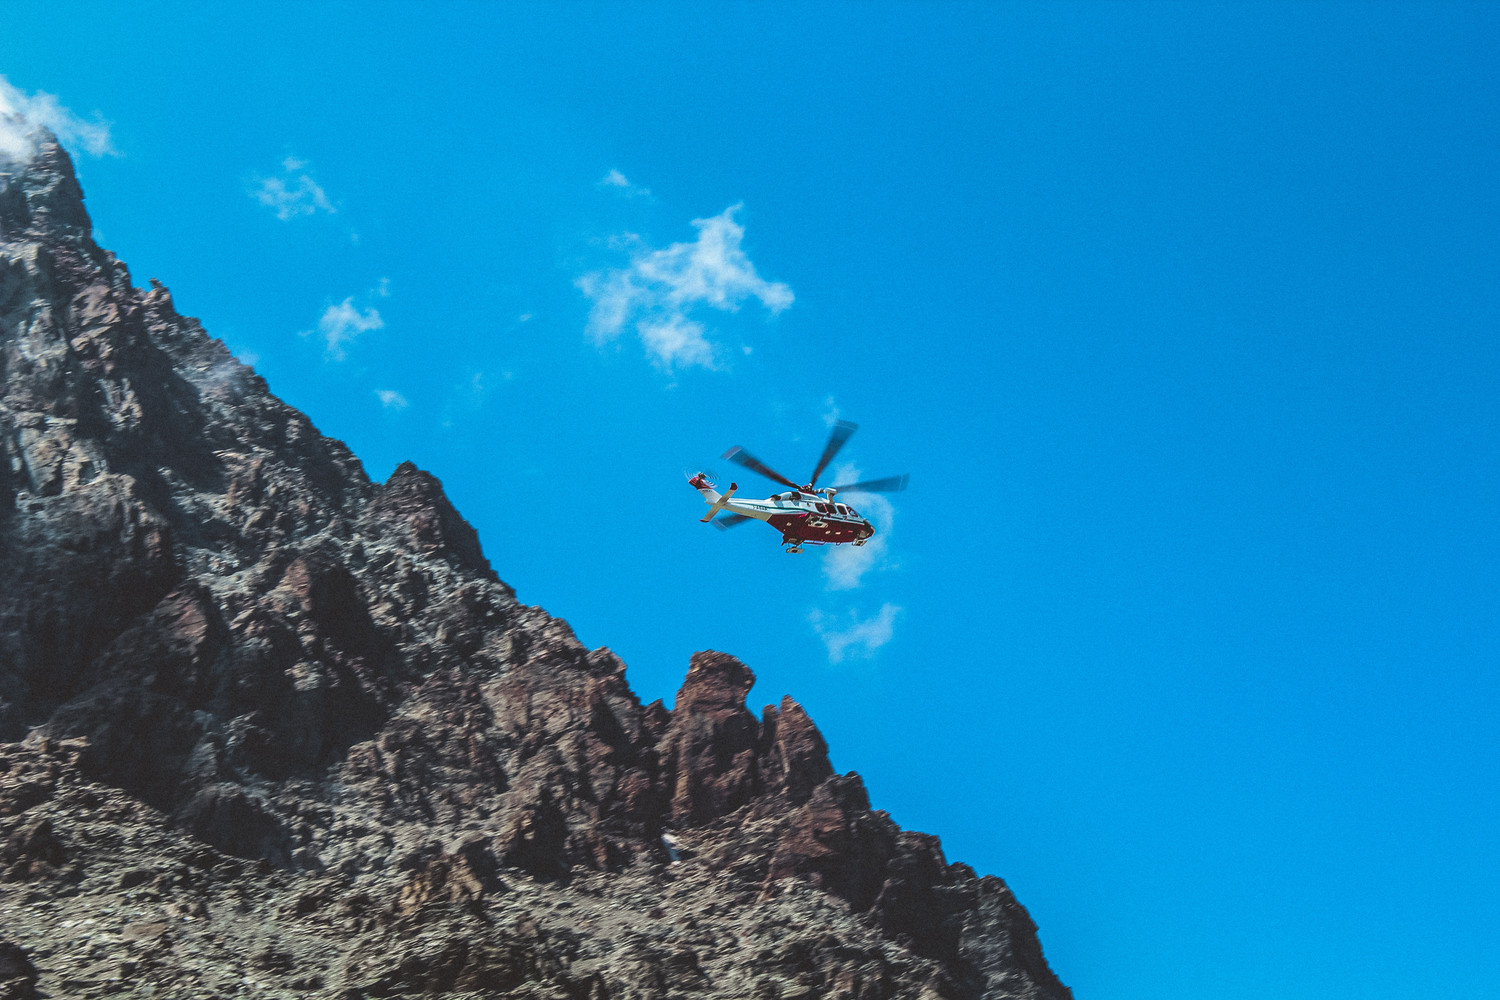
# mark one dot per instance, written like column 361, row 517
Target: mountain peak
column 40, row 195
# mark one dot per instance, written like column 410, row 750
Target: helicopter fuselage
column 804, row 514
column 800, row 516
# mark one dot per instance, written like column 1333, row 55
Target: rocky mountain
column 274, row 729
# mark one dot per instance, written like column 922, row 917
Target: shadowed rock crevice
column 267, row 719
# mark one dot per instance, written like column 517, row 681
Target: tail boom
column 711, row 496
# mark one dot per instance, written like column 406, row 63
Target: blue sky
column 1181, row 317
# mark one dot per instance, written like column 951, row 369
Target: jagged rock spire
column 40, row 197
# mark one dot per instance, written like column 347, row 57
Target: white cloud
column 293, row 193
column 659, row 289
column 845, row 566
column 615, row 179
column 21, row 114
column 856, row 639
column 677, row 340
column 340, row 324
column 392, row 400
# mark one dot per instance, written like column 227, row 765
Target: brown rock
column 838, row 841
column 709, row 750
column 460, row 879
column 149, row 930
column 32, row 851
column 17, row 975
column 799, row 754
column 236, row 823
column 27, row 778
column 413, row 502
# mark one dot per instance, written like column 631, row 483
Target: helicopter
column 806, row 514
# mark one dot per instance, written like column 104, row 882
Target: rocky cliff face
column 275, row 728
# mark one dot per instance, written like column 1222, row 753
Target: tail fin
column 702, row 485
column 710, row 495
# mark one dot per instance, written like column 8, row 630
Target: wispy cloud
column 22, row 114
column 616, row 181
column 844, row 567
column 293, row 192
column 676, row 340
column 468, row 397
column 657, row 292
column 341, row 323
column 831, row 413
column 851, row 637
column 392, row 400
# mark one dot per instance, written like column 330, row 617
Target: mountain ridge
column 232, row 663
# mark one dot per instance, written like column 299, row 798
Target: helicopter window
column 822, row 508
column 843, row 509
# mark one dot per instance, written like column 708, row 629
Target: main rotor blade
column 749, row 461
column 891, row 484
column 730, row 520
column 836, row 438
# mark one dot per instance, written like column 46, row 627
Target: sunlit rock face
column 266, row 721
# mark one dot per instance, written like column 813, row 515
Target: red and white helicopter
column 806, row 515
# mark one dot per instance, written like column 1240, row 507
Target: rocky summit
column 273, row 729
